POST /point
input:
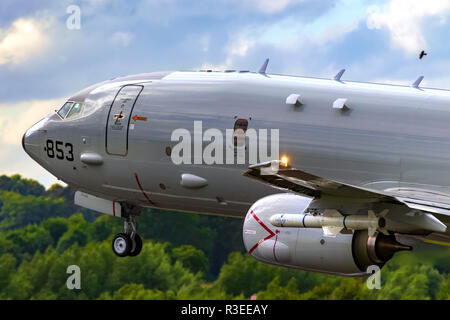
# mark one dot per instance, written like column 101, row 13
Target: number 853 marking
column 60, row 150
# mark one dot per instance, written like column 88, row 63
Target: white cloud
column 122, row 38
column 204, row 42
column 234, row 49
column 289, row 32
column 240, row 47
column 15, row 119
column 24, row 39
column 404, row 20
column 270, row 6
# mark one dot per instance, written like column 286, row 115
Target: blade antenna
column 338, row 76
column 417, row 82
column 263, row 68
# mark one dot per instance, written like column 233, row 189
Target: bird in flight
column 422, row 54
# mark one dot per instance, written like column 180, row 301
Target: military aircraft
column 360, row 170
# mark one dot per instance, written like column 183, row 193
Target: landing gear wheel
column 137, row 246
column 128, row 243
column 122, row 244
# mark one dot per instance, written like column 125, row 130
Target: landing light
column 284, row 161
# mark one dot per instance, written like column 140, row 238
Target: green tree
column 18, row 210
column 407, row 276
column 191, row 258
column 216, row 236
column 56, row 191
column 21, row 185
column 28, row 239
column 243, row 274
column 5, row 244
column 134, row 292
column 103, row 227
column 444, row 289
column 275, row 291
column 70, row 238
column 7, row 269
column 78, row 230
column 56, row 227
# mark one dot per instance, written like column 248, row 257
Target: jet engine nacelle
column 309, row 248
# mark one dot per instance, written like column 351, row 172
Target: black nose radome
column 23, row 142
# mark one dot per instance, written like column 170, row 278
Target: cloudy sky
column 42, row 61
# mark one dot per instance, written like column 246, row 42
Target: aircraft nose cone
column 33, row 138
column 30, row 139
column 23, row 142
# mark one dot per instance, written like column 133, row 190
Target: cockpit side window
column 76, row 109
column 64, row 109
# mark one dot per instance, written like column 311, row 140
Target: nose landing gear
column 127, row 243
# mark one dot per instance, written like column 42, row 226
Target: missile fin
column 372, row 231
column 331, row 231
column 380, row 222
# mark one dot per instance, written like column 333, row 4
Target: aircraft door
column 118, row 122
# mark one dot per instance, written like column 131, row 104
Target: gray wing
column 308, row 184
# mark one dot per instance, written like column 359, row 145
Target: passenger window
column 64, row 109
column 76, row 109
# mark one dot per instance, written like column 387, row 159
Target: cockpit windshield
column 70, row 109
column 64, row 109
column 76, row 109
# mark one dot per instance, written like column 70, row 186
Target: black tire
column 122, row 244
column 137, row 247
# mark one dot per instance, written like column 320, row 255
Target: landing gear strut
column 128, row 243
